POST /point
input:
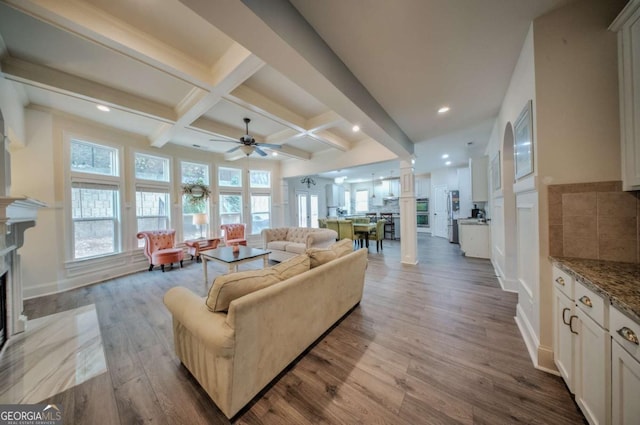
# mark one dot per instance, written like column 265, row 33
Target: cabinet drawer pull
column 628, row 334
column 586, row 301
column 564, row 310
column 560, row 281
column 571, row 324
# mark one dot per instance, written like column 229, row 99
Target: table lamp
column 200, row 219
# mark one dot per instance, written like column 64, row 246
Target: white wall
column 12, row 101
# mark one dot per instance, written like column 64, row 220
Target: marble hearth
column 16, row 216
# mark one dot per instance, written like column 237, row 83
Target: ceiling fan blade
column 233, row 149
column 260, row 151
column 223, row 140
column 269, row 145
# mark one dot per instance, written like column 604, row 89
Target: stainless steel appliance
column 422, row 212
column 453, row 210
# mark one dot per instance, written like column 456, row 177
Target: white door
column 440, row 219
column 307, row 209
column 302, row 208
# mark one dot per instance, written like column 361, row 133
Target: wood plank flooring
column 434, row 343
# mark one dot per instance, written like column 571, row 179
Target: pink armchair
column 234, row 234
column 159, row 248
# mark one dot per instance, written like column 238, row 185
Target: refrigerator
column 453, row 211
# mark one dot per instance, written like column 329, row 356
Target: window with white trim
column 153, row 205
column 229, row 177
column 95, row 199
column 362, row 201
column 260, row 212
column 260, row 179
column 192, row 172
column 347, row 201
column 230, row 208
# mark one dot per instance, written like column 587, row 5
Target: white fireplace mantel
column 16, row 216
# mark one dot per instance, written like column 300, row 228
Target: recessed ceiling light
column 355, row 128
column 445, row 156
column 443, row 109
column 413, row 161
column 274, row 153
column 103, row 108
column 447, row 163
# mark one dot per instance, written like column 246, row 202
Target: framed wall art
column 523, row 142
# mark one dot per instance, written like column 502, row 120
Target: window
column 362, row 201
column 230, row 208
column 94, row 209
column 347, row 201
column 260, row 213
column 230, row 177
column 260, row 179
column 94, row 159
column 94, row 199
column 149, row 167
column 152, row 210
column 194, row 173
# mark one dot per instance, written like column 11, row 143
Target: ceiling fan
column 248, row 144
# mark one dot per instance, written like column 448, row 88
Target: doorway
column 440, row 217
column 307, row 209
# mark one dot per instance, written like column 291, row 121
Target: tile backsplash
column 594, row 220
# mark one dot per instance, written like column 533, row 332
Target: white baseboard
column 528, row 335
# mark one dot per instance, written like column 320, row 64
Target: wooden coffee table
column 226, row 256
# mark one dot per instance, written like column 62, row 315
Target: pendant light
column 373, row 193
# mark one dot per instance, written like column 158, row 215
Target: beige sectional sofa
column 287, row 242
column 235, row 343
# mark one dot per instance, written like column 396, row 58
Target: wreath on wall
column 196, row 192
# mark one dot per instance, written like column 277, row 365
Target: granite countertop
column 473, row 223
column 620, row 282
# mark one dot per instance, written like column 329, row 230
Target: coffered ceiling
column 305, row 72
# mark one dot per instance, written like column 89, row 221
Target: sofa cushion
column 228, row 287
column 292, row 267
column 297, row 248
column 277, row 245
column 320, row 256
column 342, row 247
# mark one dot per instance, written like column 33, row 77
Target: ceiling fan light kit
column 248, row 144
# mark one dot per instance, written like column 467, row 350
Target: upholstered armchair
column 195, row 246
column 234, row 234
column 160, row 248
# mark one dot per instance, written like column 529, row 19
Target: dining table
column 364, row 229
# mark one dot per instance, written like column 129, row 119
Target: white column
column 408, row 227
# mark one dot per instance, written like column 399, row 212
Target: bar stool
column 389, row 225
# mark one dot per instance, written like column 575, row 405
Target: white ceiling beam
column 91, row 23
column 256, row 102
column 231, row 70
column 323, row 121
column 331, row 140
column 218, row 130
column 293, row 152
column 283, row 136
column 61, row 82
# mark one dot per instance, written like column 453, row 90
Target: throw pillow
column 292, row 267
column 320, row 256
column 342, row 247
column 228, row 287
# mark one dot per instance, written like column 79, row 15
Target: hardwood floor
column 434, row 343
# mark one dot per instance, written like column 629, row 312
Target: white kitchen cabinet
column 474, row 240
column 625, row 370
column 564, row 335
column 627, row 25
column 479, row 179
column 593, row 373
column 422, row 186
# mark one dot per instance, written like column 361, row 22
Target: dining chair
column 389, row 225
column 378, row 235
column 333, row 225
column 372, row 216
column 345, row 231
